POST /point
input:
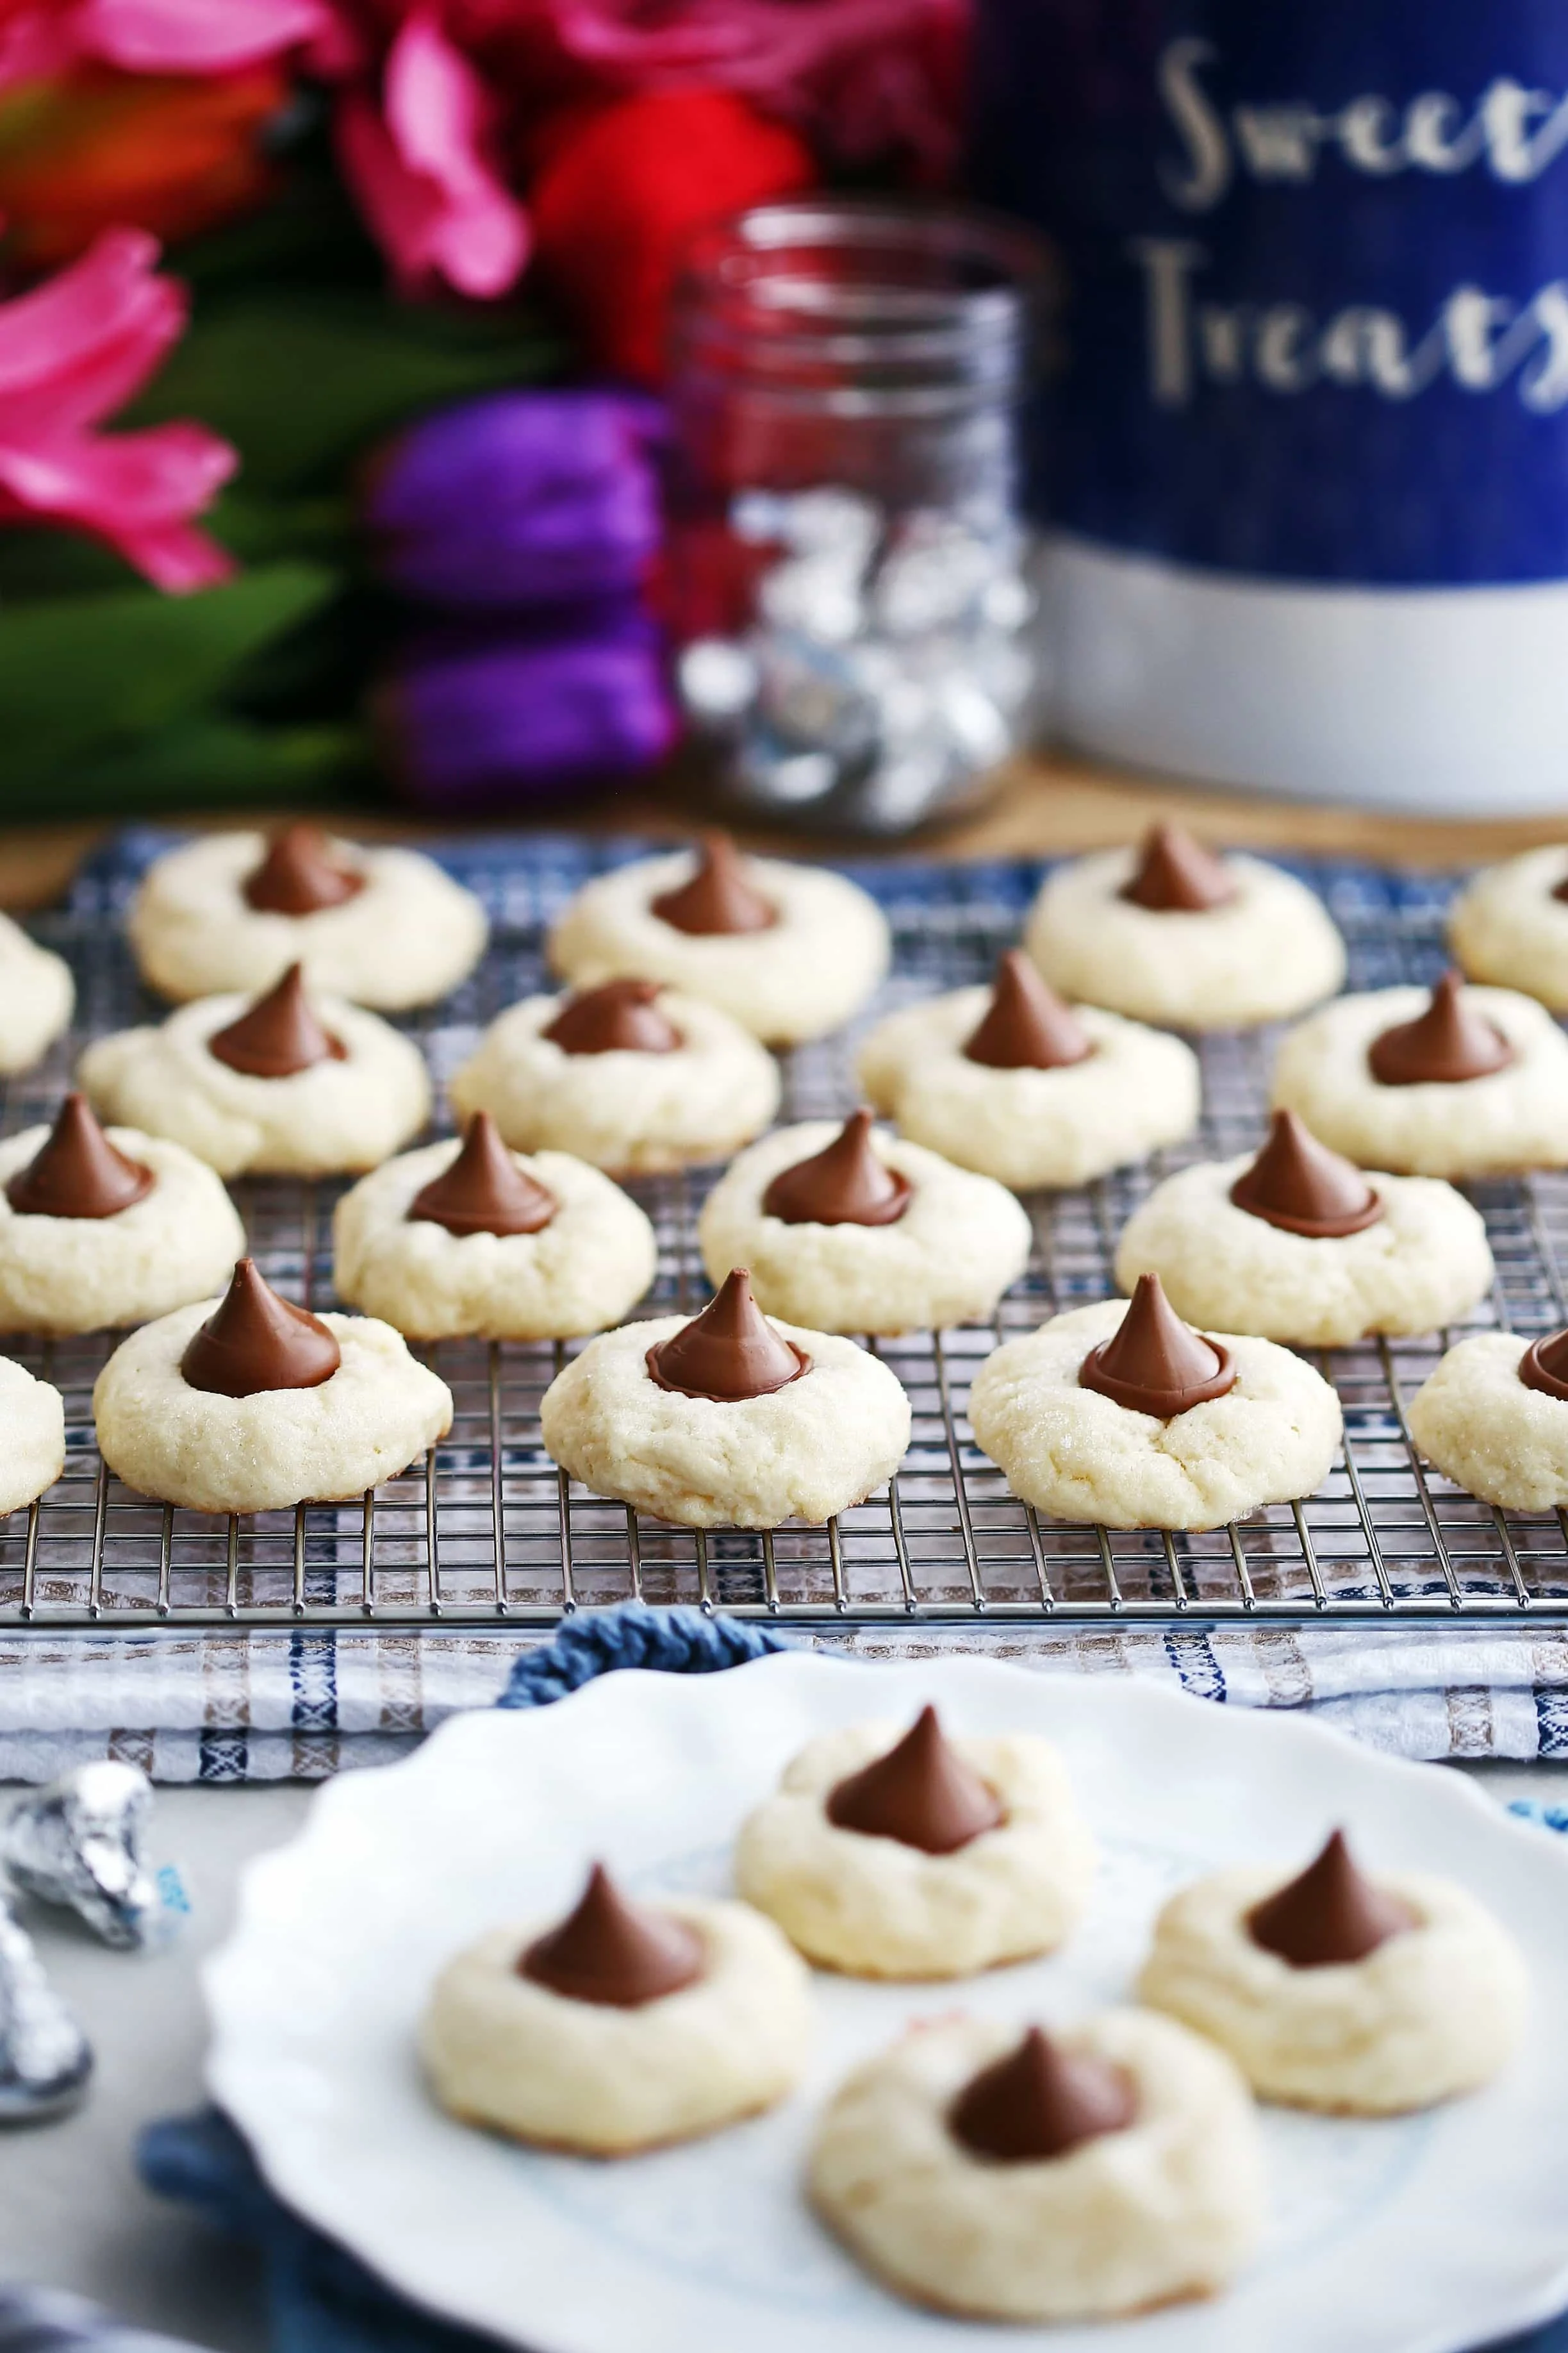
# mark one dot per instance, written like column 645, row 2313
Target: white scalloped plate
column 1429, row 2235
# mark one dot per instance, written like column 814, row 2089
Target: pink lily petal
column 137, row 490
column 43, row 38
column 419, row 171
column 75, row 347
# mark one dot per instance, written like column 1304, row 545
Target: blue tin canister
column 1305, row 431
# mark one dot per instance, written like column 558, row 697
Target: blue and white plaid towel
column 320, row 2298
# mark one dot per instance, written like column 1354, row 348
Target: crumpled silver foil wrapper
column 79, row 1842
column 45, row 2057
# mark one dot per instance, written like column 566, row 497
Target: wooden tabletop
column 1039, row 805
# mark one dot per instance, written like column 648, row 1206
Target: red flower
column 619, row 200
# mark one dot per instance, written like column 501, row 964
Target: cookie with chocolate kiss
column 1155, row 1364
column 619, row 1016
column 1329, row 1915
column 921, row 1793
column 613, row 1952
column 1447, row 1045
column 1544, row 1365
column 720, row 898
column 279, row 1036
column 728, row 1352
column 1038, row 2101
column 1026, row 1027
column 483, row 1191
column 1176, row 875
column 254, row 1341
column 1298, row 1185
column 300, row 876
column 845, row 1183
column 76, row 1172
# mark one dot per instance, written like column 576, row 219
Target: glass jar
column 848, row 577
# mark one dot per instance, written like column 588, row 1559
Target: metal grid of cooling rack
column 486, row 1531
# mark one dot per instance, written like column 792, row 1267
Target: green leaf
column 199, row 764
column 85, row 673
column 302, row 382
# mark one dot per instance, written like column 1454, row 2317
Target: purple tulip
column 487, row 721
column 518, row 500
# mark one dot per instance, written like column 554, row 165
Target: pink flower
column 39, row 39
column 420, row 167
column 73, row 350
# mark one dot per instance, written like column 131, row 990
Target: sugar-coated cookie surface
column 1168, row 2208
column 1509, row 925
column 875, row 1907
column 1270, row 951
column 502, row 2051
column 1514, row 1118
column 622, row 1110
column 406, row 937
column 1430, row 2013
column 376, row 1415
column 585, row 1269
column 37, row 997
column 1080, row 1455
column 176, row 1243
column 334, row 1116
column 1486, row 1432
column 803, row 1452
column 32, row 1435
column 947, row 1259
column 1137, row 1090
column 802, row 977
column 1425, row 1262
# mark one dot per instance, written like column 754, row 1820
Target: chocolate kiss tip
column 277, row 1034
column 1544, row 1365
column 483, row 1190
column 847, row 1183
column 1026, row 1027
column 76, row 1172
column 728, row 1352
column 253, row 1341
column 1330, row 1914
column 1298, row 1185
column 1446, row 1045
column 1039, row 2101
column 613, row 1952
column 1176, row 875
column 619, row 1016
column 298, row 875
column 1155, row 1364
column 922, row 1792
column 719, row 897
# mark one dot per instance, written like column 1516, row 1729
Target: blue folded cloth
column 322, row 2299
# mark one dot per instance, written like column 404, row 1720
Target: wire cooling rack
column 486, row 1530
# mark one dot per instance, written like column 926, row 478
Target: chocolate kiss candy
column 1154, row 1362
column 730, row 1351
column 612, row 1951
column 1445, row 1044
column 1300, row 1184
column 719, row 896
column 845, row 1183
column 920, row 1793
column 253, row 1340
column 1544, row 1365
column 619, row 1018
column 1176, row 875
column 1040, row 2101
column 277, row 1034
column 76, row 1172
column 1330, row 1914
column 1026, row 1027
column 484, row 1191
column 298, row 875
